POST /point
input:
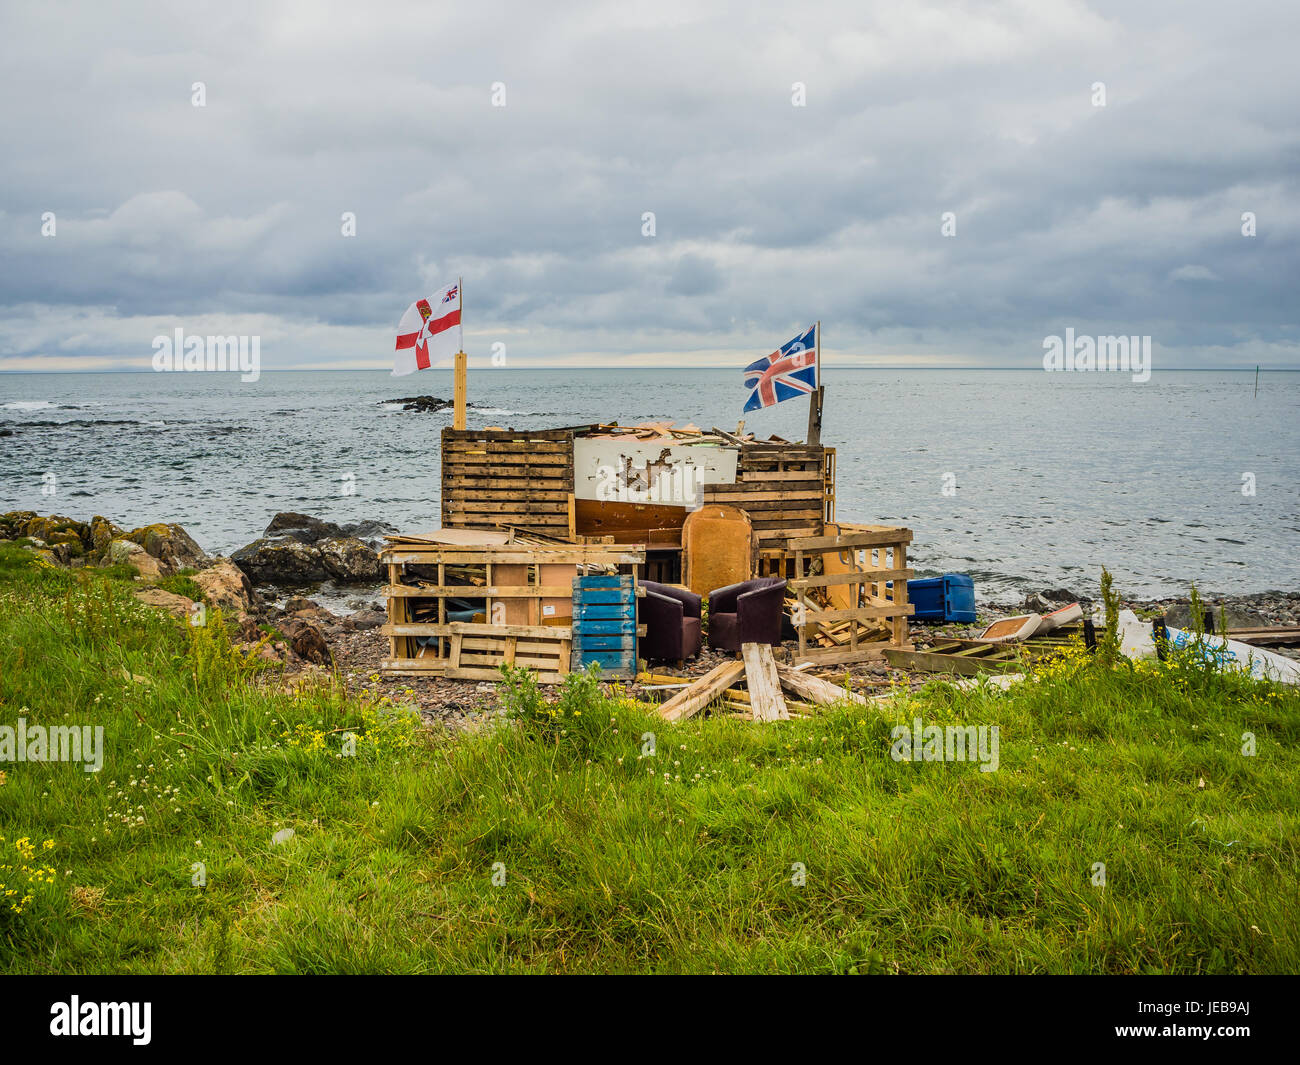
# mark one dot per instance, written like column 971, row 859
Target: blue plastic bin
column 947, row 598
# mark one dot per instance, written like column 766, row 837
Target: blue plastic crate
column 947, row 598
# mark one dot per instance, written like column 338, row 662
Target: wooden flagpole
column 461, row 372
column 816, row 395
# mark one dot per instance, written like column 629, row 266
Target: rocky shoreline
column 276, row 590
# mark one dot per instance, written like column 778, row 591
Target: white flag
column 429, row 332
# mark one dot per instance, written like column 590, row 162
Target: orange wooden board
column 557, row 611
column 718, row 548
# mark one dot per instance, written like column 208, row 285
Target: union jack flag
column 452, row 293
column 788, row 372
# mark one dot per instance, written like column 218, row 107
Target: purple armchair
column 672, row 620
column 749, row 612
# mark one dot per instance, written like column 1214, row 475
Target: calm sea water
column 1055, row 474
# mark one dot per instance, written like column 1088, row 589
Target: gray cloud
column 1118, row 219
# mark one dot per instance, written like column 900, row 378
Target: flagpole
column 462, row 365
column 815, row 396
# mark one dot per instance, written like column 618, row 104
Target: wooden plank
column 507, row 447
column 470, row 628
column 516, row 507
column 762, row 476
column 929, row 662
column 763, row 683
column 880, row 538
column 865, row 576
column 735, row 493
column 472, row 591
column 474, row 465
column 814, row 689
column 834, row 656
column 576, row 555
column 701, row 693
column 875, row 610
column 475, row 673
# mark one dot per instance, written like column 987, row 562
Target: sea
column 1023, row 479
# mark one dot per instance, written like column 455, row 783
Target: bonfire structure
column 526, row 513
column 550, row 539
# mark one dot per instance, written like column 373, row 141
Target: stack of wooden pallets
column 520, row 610
column 502, row 477
column 782, row 487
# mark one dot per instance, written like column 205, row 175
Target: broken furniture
column 525, row 588
column 719, row 548
column 850, row 593
column 605, row 625
column 764, row 679
column 671, row 617
column 748, row 612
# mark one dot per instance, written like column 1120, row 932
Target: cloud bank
column 947, row 184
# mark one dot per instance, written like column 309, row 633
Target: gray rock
column 371, row 532
column 301, row 527
column 350, row 561
column 423, row 404
column 1179, row 615
column 286, row 562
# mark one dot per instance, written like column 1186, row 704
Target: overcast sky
column 227, row 218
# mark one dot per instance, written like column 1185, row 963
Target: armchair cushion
column 749, row 612
column 672, row 620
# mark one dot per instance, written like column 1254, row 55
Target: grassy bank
column 684, row 861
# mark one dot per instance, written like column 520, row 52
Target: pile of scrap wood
column 971, row 656
column 831, row 634
column 760, row 700
column 688, row 434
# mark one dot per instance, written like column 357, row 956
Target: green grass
column 681, row 862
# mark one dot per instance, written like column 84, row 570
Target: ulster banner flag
column 429, row 332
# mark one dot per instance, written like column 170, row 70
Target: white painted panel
column 649, row 471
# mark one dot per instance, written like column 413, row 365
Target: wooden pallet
column 476, row 652
column 503, row 477
column 861, row 610
column 1276, row 636
column 516, row 590
column 782, row 487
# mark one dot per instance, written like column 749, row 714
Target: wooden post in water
column 1256, row 382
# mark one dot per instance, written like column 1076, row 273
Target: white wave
column 30, row 404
